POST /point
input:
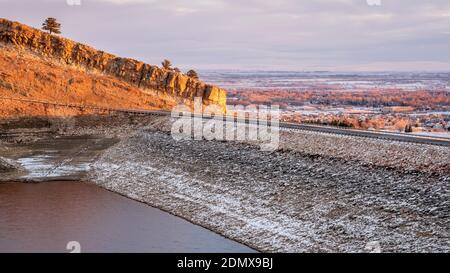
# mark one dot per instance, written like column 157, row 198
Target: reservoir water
column 44, row 217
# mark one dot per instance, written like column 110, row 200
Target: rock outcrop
column 136, row 73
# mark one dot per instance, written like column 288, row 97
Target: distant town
column 416, row 103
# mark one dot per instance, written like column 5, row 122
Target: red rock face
column 27, row 76
column 133, row 72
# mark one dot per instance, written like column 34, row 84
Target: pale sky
column 349, row 35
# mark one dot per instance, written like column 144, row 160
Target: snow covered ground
column 7, row 165
column 318, row 192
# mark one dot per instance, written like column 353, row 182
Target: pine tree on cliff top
column 51, row 25
column 166, row 64
column 192, row 74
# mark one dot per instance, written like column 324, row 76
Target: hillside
column 35, row 65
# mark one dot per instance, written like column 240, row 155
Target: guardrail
column 284, row 125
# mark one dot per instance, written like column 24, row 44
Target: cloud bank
column 257, row 34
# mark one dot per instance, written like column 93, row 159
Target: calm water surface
column 44, row 217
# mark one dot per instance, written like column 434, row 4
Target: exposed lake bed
column 54, row 158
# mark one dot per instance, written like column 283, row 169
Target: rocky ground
column 303, row 197
column 391, row 154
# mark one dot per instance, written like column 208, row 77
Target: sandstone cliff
column 165, row 83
